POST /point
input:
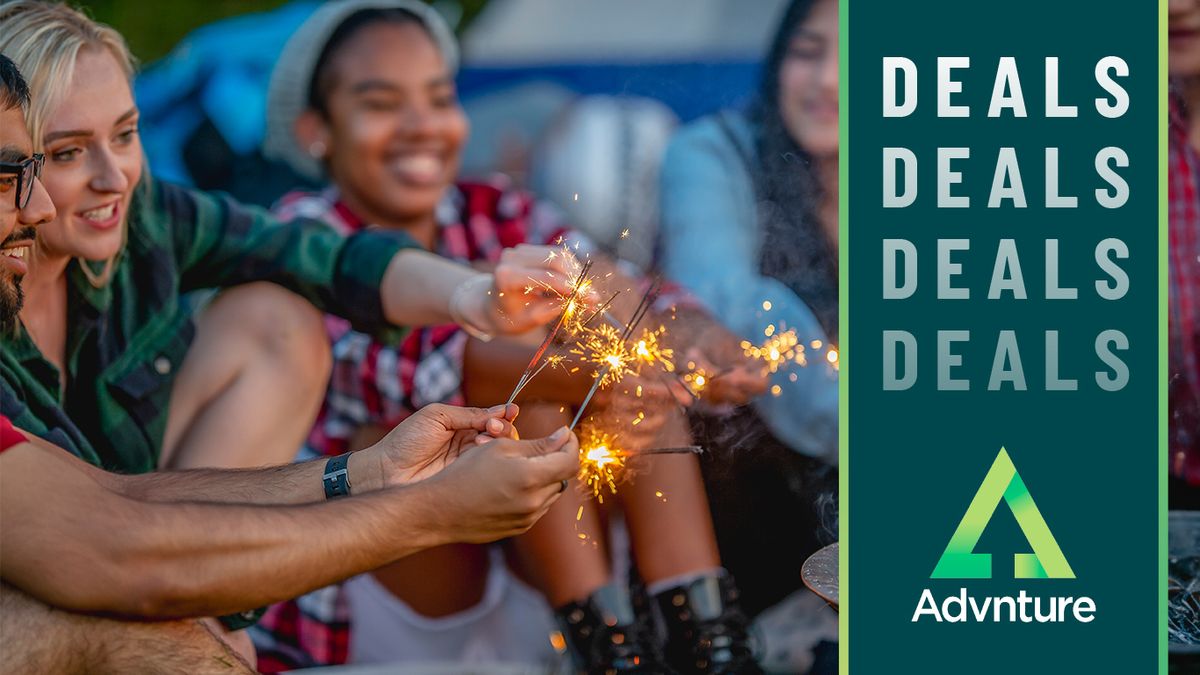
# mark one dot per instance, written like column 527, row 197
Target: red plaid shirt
column 374, row 383
column 1184, row 298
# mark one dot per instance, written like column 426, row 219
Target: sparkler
column 695, row 381
column 779, row 349
column 606, row 347
column 599, row 460
column 617, row 356
column 783, row 348
column 581, row 325
column 682, row 450
column 650, row 351
column 570, row 305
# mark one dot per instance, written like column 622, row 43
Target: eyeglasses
column 25, row 172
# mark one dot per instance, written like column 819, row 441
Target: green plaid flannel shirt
column 126, row 341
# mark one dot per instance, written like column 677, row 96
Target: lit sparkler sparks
column 650, row 351
column 617, row 356
column 695, row 381
column 599, row 460
column 782, row 348
column 575, row 268
column 606, row 347
column 779, row 349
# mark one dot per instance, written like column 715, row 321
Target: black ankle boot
column 605, row 639
column 707, row 634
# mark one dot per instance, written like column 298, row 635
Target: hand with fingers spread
column 501, row 488
column 433, row 437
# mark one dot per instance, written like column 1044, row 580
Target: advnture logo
column 960, row 561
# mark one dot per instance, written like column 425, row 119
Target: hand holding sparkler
column 433, row 437
column 712, row 364
column 526, row 291
column 501, row 488
column 731, row 385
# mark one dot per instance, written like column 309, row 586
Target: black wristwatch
column 337, row 477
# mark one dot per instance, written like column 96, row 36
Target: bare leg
column 666, row 510
column 436, row 582
column 562, row 565
column 35, row 638
column 259, row 365
column 439, row 581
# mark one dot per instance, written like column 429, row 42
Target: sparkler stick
column 586, row 400
column 682, row 450
column 552, row 361
column 603, row 309
column 529, row 373
column 525, row 377
column 642, row 308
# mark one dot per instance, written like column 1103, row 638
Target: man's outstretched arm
column 434, row 431
column 71, row 542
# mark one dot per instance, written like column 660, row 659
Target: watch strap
column 337, row 477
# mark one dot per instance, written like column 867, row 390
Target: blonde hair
column 44, row 39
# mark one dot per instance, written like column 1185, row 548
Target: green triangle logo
column 959, row 561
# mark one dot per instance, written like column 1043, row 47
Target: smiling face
column 18, row 227
column 808, row 82
column 93, row 160
column 1183, row 37
column 394, row 130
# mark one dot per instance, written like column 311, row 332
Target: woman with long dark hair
column 754, row 194
column 750, row 225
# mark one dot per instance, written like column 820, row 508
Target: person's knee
column 289, row 330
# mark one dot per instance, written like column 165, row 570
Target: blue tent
column 203, row 106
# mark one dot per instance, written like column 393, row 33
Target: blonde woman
column 110, row 358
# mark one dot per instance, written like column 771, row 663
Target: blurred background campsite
column 559, row 94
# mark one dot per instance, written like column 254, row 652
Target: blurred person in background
column 364, row 96
column 612, row 197
column 1183, row 216
column 754, row 194
column 111, row 353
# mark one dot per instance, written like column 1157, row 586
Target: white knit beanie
column 287, row 96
